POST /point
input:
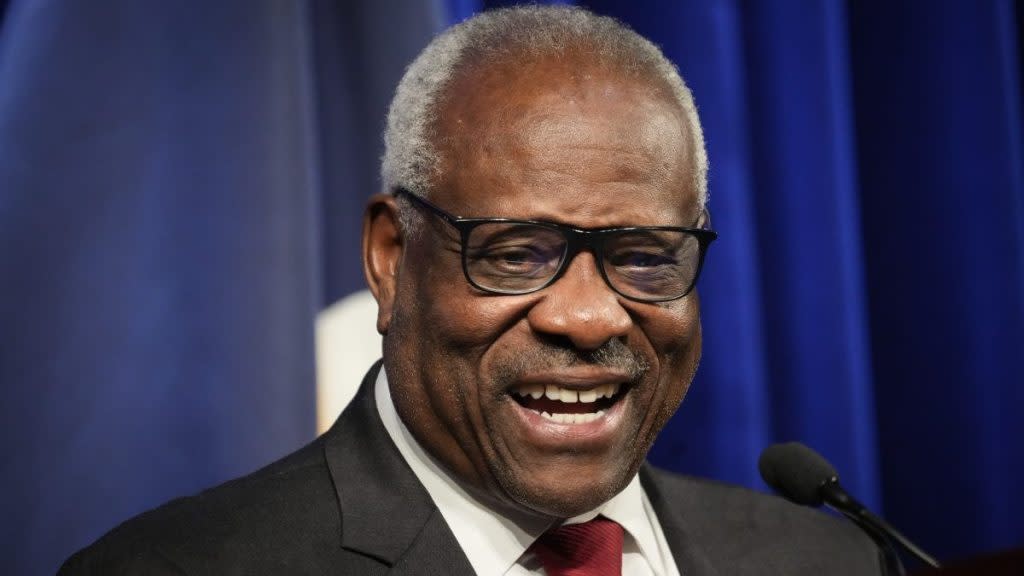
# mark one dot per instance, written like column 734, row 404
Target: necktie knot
column 587, row 549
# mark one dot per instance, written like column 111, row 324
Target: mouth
column 564, row 405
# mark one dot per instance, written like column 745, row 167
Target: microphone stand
column 878, row 529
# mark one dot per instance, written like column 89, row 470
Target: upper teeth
column 560, row 394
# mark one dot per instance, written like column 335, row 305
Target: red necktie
column 588, row 549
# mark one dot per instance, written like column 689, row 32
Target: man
column 533, row 260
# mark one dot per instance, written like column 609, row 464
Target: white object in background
column 347, row 344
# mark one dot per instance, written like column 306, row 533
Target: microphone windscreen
column 796, row 472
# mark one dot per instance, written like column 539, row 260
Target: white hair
column 411, row 159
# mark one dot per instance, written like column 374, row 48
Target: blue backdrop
column 181, row 187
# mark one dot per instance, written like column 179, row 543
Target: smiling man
column 534, row 257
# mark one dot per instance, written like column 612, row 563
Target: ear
column 705, row 219
column 382, row 253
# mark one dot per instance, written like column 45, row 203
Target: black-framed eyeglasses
column 514, row 257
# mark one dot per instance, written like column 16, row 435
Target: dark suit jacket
column 349, row 504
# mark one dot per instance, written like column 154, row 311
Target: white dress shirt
column 497, row 545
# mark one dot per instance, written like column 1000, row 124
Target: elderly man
column 534, row 260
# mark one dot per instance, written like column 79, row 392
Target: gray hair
column 411, row 159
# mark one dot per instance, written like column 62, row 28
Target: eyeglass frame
column 577, row 240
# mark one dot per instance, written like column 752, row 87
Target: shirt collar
column 491, row 540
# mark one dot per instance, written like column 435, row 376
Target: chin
column 573, row 494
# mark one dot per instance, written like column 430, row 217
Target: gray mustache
column 613, row 355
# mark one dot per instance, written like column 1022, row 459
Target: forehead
column 565, row 140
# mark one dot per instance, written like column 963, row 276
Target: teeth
column 573, row 418
column 608, row 390
column 536, row 391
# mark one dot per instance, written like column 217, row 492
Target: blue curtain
column 181, row 187
column 158, row 250
column 939, row 132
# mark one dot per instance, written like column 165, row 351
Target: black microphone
column 803, row 476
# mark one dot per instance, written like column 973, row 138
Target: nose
column 581, row 307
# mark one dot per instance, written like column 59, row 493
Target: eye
column 515, row 257
column 641, row 259
column 514, row 260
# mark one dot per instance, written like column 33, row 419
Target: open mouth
column 566, row 405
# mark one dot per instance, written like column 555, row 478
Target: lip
column 545, row 434
column 582, row 378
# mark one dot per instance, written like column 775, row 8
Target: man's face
column 563, row 143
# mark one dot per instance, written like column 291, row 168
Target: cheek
column 469, row 322
column 675, row 335
column 674, row 331
column 455, row 331
column 461, row 320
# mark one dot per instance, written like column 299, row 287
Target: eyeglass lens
column 515, row 258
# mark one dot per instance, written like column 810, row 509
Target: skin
column 554, row 140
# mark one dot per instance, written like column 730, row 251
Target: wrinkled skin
column 563, row 142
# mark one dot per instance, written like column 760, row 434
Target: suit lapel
column 385, row 512
column 686, row 549
column 435, row 551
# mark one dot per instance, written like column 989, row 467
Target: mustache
column 614, row 355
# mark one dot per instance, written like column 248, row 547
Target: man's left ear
column 382, row 254
column 705, row 219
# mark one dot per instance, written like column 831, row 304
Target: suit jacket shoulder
column 345, row 504
column 282, row 516
column 717, row 528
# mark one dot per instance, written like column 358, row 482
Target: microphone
column 804, row 477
